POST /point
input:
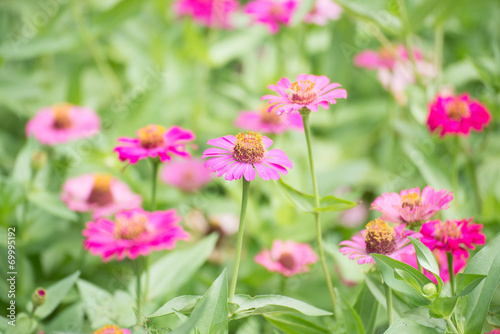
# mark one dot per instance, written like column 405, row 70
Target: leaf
column 467, row 282
column 55, row 294
column 493, row 316
column 23, row 325
column 183, row 304
column 52, row 204
column 22, row 167
column 366, row 306
column 378, row 290
column 294, row 324
column 349, row 317
column 69, row 320
column 236, row 45
column 442, row 307
column 409, row 326
column 428, row 261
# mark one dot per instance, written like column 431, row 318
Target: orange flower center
column 101, row 191
column 130, row 228
column 411, row 200
column 380, row 238
column 448, row 229
column 61, row 116
column 249, row 148
column 151, row 136
column 287, row 261
column 109, row 329
column 457, row 109
column 269, row 117
column 303, row 92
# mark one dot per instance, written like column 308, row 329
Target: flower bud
column 38, row 160
column 429, row 289
column 38, row 297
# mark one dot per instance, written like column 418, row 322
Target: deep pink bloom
column 379, row 238
column 187, row 175
column 62, row 123
column 210, row 13
column 457, row 115
column 266, row 122
column 409, row 206
column 242, row 155
column 323, row 11
column 495, row 331
column 112, row 329
column 459, row 262
column 271, row 13
column 309, row 91
column 154, row 141
column 287, row 258
column 133, row 233
column 452, row 236
column 100, row 194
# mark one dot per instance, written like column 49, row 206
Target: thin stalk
column 454, row 174
column 154, row 165
column 388, row 301
column 449, row 257
column 409, row 48
column 138, row 273
column 244, row 202
column 452, row 326
column 438, row 50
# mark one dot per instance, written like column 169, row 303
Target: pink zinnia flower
column 242, row 155
column 272, row 13
column 154, row 141
column 379, row 238
column 187, row 175
column 457, row 115
column 459, row 262
column 133, row 233
column 62, row 123
column 323, row 11
column 112, row 329
column 309, row 91
column 452, row 236
column 495, row 331
column 210, row 13
column 409, row 206
column 100, row 194
column 265, row 122
column 287, row 258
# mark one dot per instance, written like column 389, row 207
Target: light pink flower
column 272, row 13
column 379, row 238
column 187, row 175
column 62, row 123
column 456, row 115
column 243, row 155
column 287, row 258
column 355, row 216
column 459, row 262
column 409, row 206
column 100, row 194
column 266, row 122
column 112, row 329
column 210, row 13
column 309, row 91
column 133, row 233
column 154, row 141
column 323, row 11
column 452, row 236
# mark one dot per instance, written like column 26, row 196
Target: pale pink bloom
column 188, row 175
column 267, row 122
column 133, row 233
column 355, row 216
column 210, row 13
column 62, row 123
column 409, row 206
column 222, row 223
column 287, row 258
column 323, row 11
column 459, row 263
column 243, row 155
column 272, row 13
column 112, row 329
column 309, row 91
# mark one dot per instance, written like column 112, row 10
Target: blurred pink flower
column 323, row 11
column 210, row 13
column 188, row 175
column 287, row 258
column 495, row 331
column 133, row 233
column 271, row 13
column 154, row 141
column 457, row 115
column 62, row 123
column 242, row 155
column 267, row 122
column 355, row 216
column 379, row 238
column 459, row 262
column 100, row 194
column 112, row 329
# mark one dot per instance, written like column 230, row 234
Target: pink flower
column 495, row 331
column 452, row 236
column 355, row 216
column 62, row 123
column 112, row 329
column 265, row 122
column 242, row 155
column 154, row 141
column 379, row 238
column 457, row 115
column 187, row 175
column 272, row 13
column 287, row 258
column 100, row 194
column 309, row 91
column 210, row 13
column 409, row 206
column 133, row 233
column 459, row 263
column 323, row 11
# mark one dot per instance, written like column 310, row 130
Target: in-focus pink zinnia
column 154, row 141
column 452, row 236
column 210, row 13
column 100, row 194
column 309, row 91
column 133, row 233
column 411, row 206
column 62, row 123
column 287, row 258
column 266, row 122
column 112, row 329
column 323, row 11
column 272, row 13
column 459, row 263
column 379, row 238
column 187, row 175
column 457, row 115
column 243, row 155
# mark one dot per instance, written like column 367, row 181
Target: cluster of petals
column 459, row 263
column 323, row 11
column 210, row 13
column 112, row 329
column 495, row 331
column 268, row 122
column 186, row 175
column 271, row 13
column 287, row 258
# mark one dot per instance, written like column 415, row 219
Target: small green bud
column 430, row 289
column 38, row 160
column 38, row 297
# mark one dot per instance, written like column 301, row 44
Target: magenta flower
column 287, row 258
column 133, row 233
column 100, row 194
column 187, row 175
column 495, row 331
column 265, row 122
column 452, row 236
column 379, row 238
column 457, row 115
column 271, row 13
column 154, row 141
column 210, row 13
column 112, row 329
column 309, row 91
column 459, row 263
column 323, row 11
column 62, row 123
column 243, row 155
column 411, row 207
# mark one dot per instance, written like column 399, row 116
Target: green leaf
column 183, row 304
column 409, row 326
column 55, row 294
column 22, row 167
column 71, row 319
column 467, row 282
column 366, row 306
column 442, row 307
column 425, row 256
column 235, row 45
column 52, row 204
column 294, row 324
column 493, row 316
column 377, row 288
column 23, row 325
column 348, row 316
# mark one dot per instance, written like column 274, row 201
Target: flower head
column 133, row 233
column 210, row 13
column 62, row 123
column 38, row 297
column 112, row 329
column 459, row 262
column 287, row 258
column 308, row 91
column 495, row 331
column 457, row 115
column 272, row 13
column 266, row 122
column 323, row 11
column 187, row 175
column 243, row 155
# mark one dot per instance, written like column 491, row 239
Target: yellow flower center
column 151, row 136
column 380, row 238
column 130, row 228
column 249, row 148
column 109, row 329
column 411, row 200
column 269, row 117
column 303, row 92
column 61, row 116
column 448, row 229
column 457, row 109
column 287, row 261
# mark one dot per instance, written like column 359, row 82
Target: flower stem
column 449, row 257
column 138, row 274
column 307, row 131
column 244, row 202
column 455, row 172
column 155, row 164
column 388, row 301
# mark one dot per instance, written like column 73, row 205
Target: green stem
column 438, row 50
column 388, row 301
column 452, row 326
column 138, row 273
column 154, row 164
column 409, row 48
column 244, row 202
column 449, row 257
column 454, row 175
column 307, row 131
